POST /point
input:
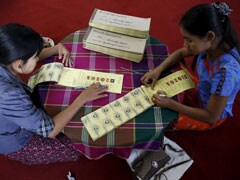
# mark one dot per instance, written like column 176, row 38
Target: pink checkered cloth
column 143, row 132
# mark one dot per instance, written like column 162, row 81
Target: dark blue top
column 19, row 117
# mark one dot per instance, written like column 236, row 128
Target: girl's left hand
column 161, row 99
column 64, row 54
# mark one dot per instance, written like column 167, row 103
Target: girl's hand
column 64, row 54
column 93, row 92
column 161, row 99
column 150, row 78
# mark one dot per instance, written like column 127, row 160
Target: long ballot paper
column 64, row 76
column 114, row 114
column 120, row 23
column 172, row 84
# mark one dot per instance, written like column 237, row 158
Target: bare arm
column 170, row 60
column 48, row 52
column 59, row 49
column 210, row 115
column 62, row 118
column 174, row 58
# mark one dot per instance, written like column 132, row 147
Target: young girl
column 27, row 133
column 209, row 36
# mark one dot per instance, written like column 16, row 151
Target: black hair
column 202, row 18
column 18, row 42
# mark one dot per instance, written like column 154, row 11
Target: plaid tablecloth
column 143, row 132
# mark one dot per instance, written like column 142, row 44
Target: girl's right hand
column 93, row 92
column 64, row 54
column 150, row 78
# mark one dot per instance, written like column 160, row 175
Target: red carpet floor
column 216, row 152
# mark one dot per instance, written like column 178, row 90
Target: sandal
column 47, row 42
